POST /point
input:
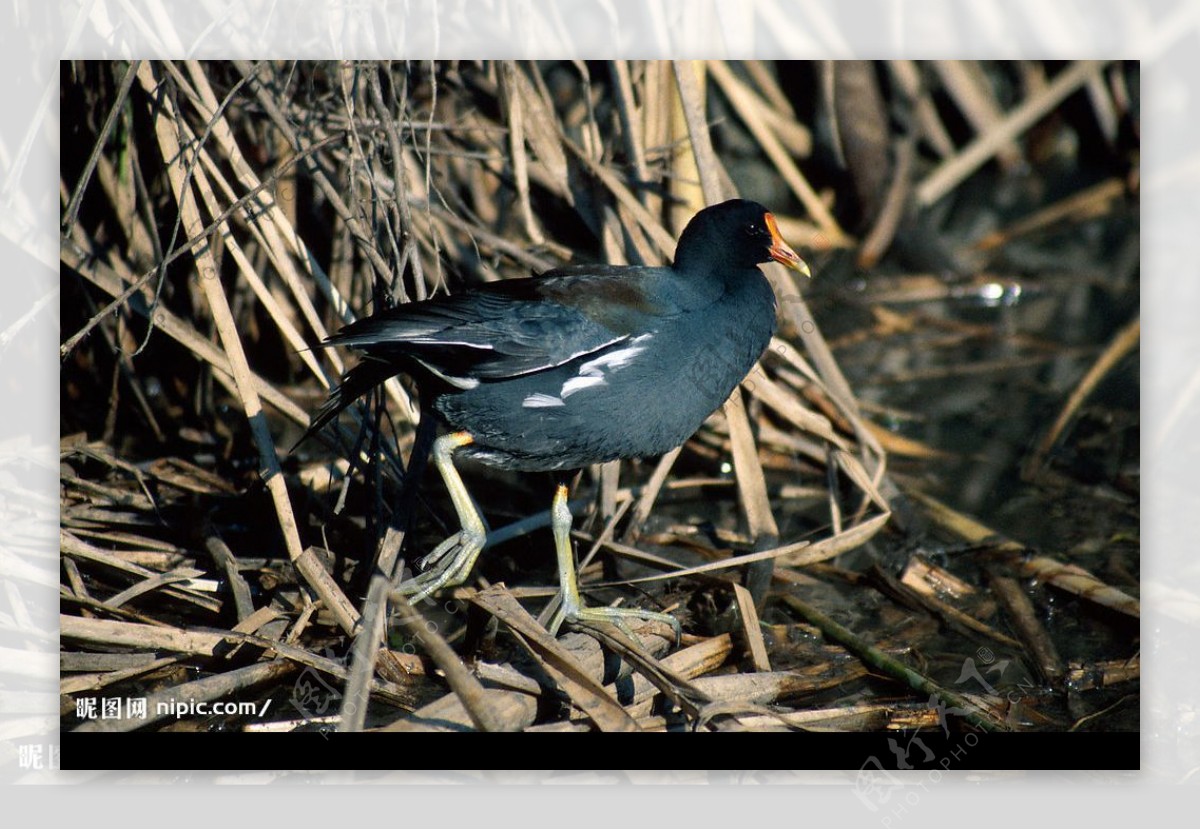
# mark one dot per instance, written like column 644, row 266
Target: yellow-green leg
column 572, row 607
column 454, row 557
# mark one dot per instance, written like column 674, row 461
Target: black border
column 865, row 752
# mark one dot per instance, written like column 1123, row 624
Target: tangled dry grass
column 218, row 219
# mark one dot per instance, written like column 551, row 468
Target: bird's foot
column 451, row 563
column 573, row 612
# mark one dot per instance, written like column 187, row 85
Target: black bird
column 578, row 366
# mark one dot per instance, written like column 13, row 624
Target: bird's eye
column 753, row 230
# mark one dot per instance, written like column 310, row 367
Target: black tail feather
column 355, row 383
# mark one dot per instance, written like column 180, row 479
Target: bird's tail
column 355, row 383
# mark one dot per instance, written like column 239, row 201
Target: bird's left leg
column 455, row 556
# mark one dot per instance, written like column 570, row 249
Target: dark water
column 980, row 371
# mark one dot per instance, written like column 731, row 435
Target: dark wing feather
column 497, row 331
column 507, row 329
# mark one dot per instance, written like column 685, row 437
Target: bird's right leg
column 572, row 608
column 453, row 558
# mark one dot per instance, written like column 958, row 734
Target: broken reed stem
column 892, row 667
column 460, row 679
column 950, row 173
column 1122, row 344
column 752, row 484
column 1024, row 618
column 227, row 328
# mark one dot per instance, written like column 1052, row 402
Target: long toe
column 447, row 545
column 618, row 617
column 452, row 561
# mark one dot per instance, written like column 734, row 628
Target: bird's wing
column 510, row 328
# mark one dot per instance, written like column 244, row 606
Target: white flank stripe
column 592, row 373
column 582, row 382
column 538, row 400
